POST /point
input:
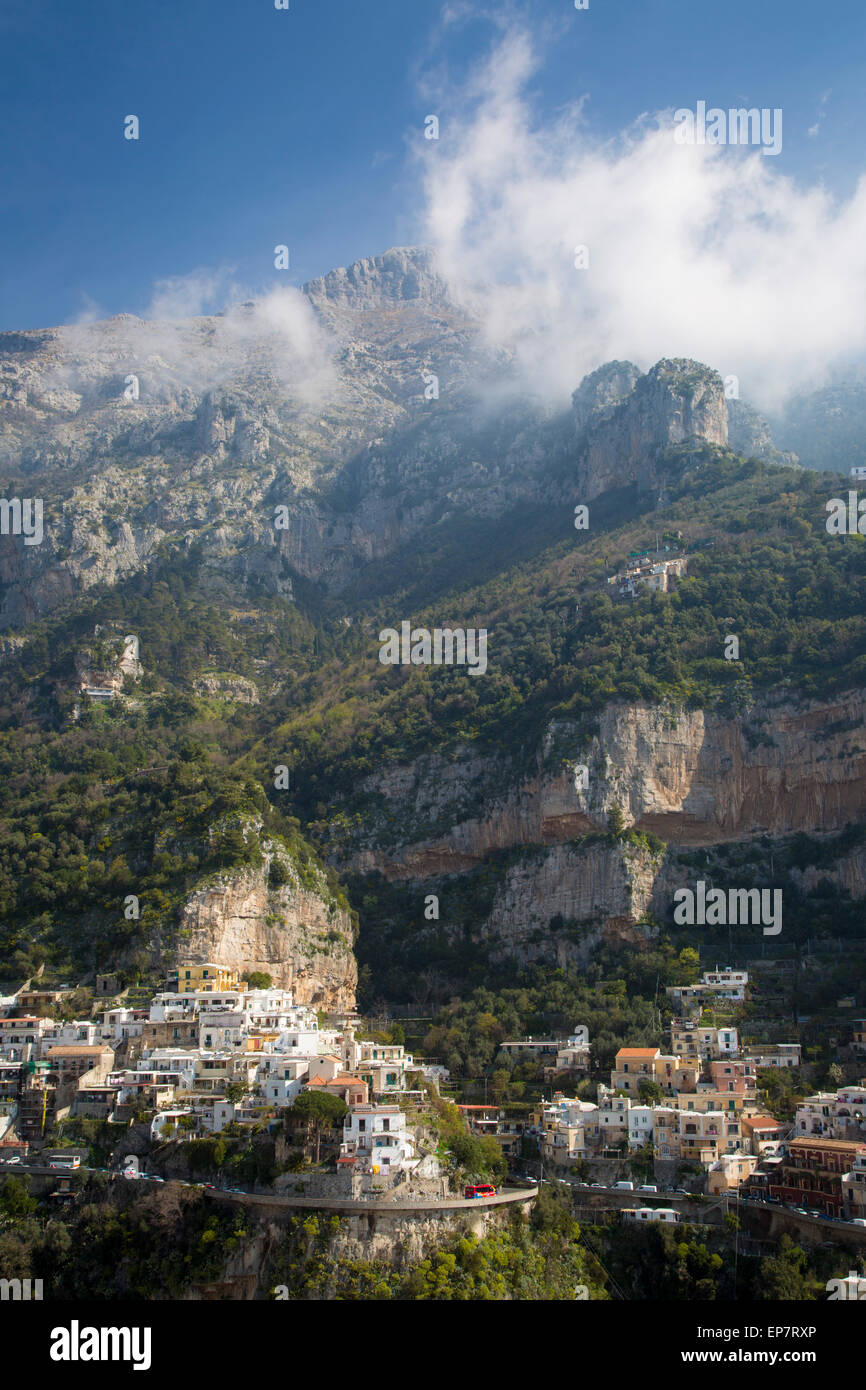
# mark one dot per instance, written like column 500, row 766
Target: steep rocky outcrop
column 235, row 688
column 749, row 434
column 361, row 406
column 607, row 890
column 626, row 432
column 293, row 931
column 689, row 777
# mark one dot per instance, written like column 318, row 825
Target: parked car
column 623, row 1187
column 856, row 1221
column 14, row 1159
column 647, row 1187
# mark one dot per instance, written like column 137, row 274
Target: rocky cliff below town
column 293, row 931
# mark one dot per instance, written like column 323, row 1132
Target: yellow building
column 203, row 975
column 635, row 1064
column 729, row 1171
column 718, row 1115
column 666, row 1131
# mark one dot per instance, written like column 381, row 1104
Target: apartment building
column 733, row 1076
column 812, row 1172
column 21, row 1038
column 728, row 1171
column 376, row 1137
column 635, row 1064
column 205, row 976
column 694, row 1043
column 854, row 1190
column 761, row 1132
column 666, row 1131
column 570, row 1128
column 774, row 1055
column 834, row 1114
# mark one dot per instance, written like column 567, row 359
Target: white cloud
column 698, row 251
column 187, row 338
column 200, row 291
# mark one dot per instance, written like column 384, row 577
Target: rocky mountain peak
column 401, row 274
column 604, row 387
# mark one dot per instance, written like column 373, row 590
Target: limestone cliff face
column 195, row 432
column 605, row 888
column 291, row 932
column 696, row 776
column 626, row 430
column 847, row 874
column 690, row 777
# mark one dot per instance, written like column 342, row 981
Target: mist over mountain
column 368, row 407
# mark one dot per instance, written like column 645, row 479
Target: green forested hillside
column 85, row 821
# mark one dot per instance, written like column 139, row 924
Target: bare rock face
column 291, row 932
column 602, row 390
column 403, row 273
column 356, row 405
column 236, row 688
column 688, row 777
column 749, row 435
column 607, row 889
column 677, row 401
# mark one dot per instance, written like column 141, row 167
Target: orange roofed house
column 351, row 1089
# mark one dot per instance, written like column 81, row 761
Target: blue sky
column 261, row 126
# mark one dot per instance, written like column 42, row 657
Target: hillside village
column 212, row 1056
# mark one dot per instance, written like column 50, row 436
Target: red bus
column 481, row 1189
